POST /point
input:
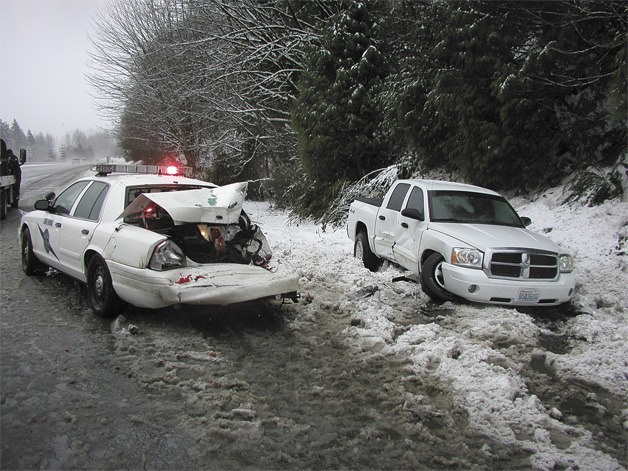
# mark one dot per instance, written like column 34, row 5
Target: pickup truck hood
column 485, row 236
column 221, row 205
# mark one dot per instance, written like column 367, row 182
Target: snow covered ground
column 484, row 354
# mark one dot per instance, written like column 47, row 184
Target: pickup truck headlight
column 565, row 263
column 470, row 258
column 167, row 256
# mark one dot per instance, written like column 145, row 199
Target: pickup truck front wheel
column 363, row 251
column 432, row 280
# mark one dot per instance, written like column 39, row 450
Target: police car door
column 77, row 229
column 46, row 241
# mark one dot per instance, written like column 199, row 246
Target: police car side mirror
column 526, row 221
column 42, row 205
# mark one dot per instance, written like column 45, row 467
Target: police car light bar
column 172, row 170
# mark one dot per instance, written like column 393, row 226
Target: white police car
column 152, row 240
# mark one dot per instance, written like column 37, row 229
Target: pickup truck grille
column 522, row 264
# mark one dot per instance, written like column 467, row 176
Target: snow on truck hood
column 485, row 236
column 221, row 205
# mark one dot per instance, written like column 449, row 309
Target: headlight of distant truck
column 470, row 258
column 167, row 256
column 565, row 263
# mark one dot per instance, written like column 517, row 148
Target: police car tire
column 103, row 298
column 30, row 262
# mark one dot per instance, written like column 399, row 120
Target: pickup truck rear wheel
column 102, row 297
column 432, row 280
column 363, row 251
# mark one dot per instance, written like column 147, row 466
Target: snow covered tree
column 17, row 136
column 511, row 94
column 335, row 114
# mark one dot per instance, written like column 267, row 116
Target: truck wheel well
column 424, row 256
column 360, row 227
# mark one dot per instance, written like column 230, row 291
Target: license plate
column 528, row 295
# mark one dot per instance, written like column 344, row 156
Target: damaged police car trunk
column 211, row 254
column 207, row 225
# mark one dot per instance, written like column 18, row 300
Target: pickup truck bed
column 372, row 201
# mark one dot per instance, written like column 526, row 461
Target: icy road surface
column 363, row 373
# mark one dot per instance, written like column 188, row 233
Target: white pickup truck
column 462, row 241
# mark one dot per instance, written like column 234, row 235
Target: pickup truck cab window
column 416, row 201
column 398, row 195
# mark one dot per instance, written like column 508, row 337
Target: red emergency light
column 170, row 170
column 173, row 170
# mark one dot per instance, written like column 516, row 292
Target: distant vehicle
column 461, row 241
column 10, row 178
column 152, row 240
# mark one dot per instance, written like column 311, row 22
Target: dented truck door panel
column 387, row 221
column 409, row 229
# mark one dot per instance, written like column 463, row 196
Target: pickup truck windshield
column 471, row 208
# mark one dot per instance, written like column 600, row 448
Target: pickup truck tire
column 103, row 299
column 362, row 250
column 432, row 279
column 30, row 262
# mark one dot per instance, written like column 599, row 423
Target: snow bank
column 481, row 353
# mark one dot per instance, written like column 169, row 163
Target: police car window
column 65, row 201
column 91, row 203
column 397, row 197
column 134, row 192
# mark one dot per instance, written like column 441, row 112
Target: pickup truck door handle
column 382, row 218
column 404, row 224
column 85, row 231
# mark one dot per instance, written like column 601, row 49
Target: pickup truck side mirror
column 412, row 213
column 526, row 221
column 22, row 156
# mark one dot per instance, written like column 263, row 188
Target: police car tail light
column 167, row 256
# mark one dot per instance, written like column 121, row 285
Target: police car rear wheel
column 103, row 299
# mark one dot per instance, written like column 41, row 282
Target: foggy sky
column 43, row 63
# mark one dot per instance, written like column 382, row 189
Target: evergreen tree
column 16, row 135
column 511, row 94
column 30, row 139
column 335, row 115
